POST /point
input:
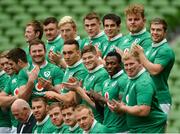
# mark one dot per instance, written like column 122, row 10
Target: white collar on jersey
column 116, row 37
column 140, row 72
column 94, row 123
column 2, row 72
column 118, row 74
column 159, row 43
column 43, row 65
column 75, row 64
column 42, row 122
column 98, row 35
column 57, row 38
column 77, row 38
column 73, row 128
column 96, row 69
column 139, row 33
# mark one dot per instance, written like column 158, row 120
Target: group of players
column 105, row 83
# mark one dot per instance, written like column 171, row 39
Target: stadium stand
column 14, row 14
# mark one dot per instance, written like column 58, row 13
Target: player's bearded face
column 135, row 23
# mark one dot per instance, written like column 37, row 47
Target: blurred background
column 14, row 14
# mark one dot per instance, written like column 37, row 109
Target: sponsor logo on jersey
column 16, row 91
column 127, row 98
column 106, row 95
column 39, row 86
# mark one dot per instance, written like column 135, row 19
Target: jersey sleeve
column 145, row 92
column 58, row 75
column 22, row 78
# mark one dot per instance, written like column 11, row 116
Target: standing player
column 44, row 124
column 139, row 102
column 32, row 78
column 135, row 21
column 111, row 23
column 92, row 25
column 159, row 62
column 34, row 30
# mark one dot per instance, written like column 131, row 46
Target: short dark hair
column 92, row 15
column 17, row 54
column 113, row 17
column 159, row 21
column 37, row 27
column 50, row 20
column 37, row 42
column 53, row 105
column 114, row 53
column 43, row 99
column 89, row 48
column 68, row 105
column 72, row 42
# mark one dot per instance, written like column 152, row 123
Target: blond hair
column 135, row 9
column 67, row 19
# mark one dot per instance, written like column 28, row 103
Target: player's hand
column 72, row 84
column 55, row 58
column 50, row 94
column 137, row 48
column 47, row 84
column 32, row 75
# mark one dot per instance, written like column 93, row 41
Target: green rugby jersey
column 141, row 90
column 161, row 53
column 113, row 88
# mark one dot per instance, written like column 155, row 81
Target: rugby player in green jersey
column 92, row 25
column 54, row 111
column 111, row 23
column 75, row 68
column 85, row 118
column 17, row 60
column 44, row 124
column 135, row 22
column 54, row 41
column 68, row 115
column 159, row 61
column 32, row 79
column 140, row 103
column 33, row 30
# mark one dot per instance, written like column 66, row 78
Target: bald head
column 21, row 110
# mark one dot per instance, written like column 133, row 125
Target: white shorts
column 13, row 130
column 5, row 130
column 165, row 108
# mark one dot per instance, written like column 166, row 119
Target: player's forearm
column 136, row 110
column 26, row 91
column 153, row 69
column 6, row 101
column 84, row 96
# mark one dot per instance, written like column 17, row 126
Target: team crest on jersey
column 14, row 81
column 136, row 40
column 91, row 78
column 127, row 98
column 16, row 91
column 106, row 95
column 39, row 87
column 47, row 74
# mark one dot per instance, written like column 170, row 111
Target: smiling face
column 132, row 66
column 39, row 110
column 90, row 60
column 84, row 118
column 38, row 53
column 157, row 32
column 110, row 28
column 135, row 22
column 112, row 65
